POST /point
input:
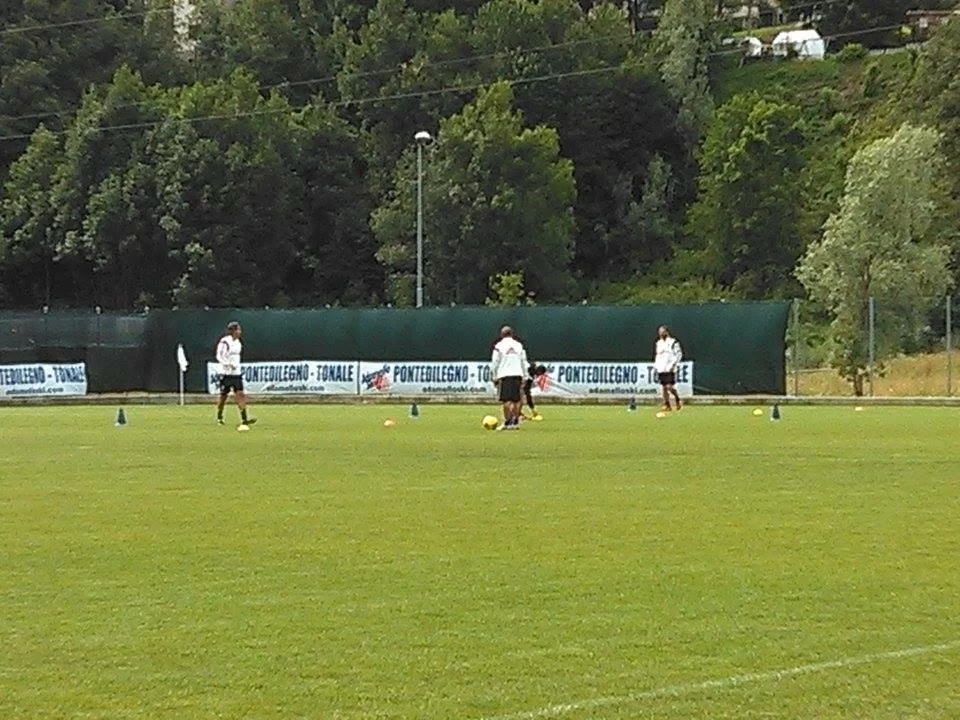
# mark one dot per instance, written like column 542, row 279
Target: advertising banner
column 456, row 377
column 563, row 379
column 451, row 378
column 43, row 379
column 590, row 379
column 293, row 377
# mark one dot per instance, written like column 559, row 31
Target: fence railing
column 905, row 351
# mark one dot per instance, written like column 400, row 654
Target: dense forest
column 261, row 153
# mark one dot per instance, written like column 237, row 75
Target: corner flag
column 182, row 362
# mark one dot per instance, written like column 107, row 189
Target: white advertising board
column 293, row 377
column 43, row 379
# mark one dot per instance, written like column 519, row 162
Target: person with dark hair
column 533, row 372
column 229, row 350
column 666, row 360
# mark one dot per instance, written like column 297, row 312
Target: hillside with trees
column 260, row 152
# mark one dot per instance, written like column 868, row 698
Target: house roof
column 792, row 36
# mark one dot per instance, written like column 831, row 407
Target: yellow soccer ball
column 490, row 422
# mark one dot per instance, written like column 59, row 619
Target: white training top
column 228, row 355
column 668, row 355
column 509, row 359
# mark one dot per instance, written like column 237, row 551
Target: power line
column 86, row 21
column 341, row 76
column 450, row 89
column 171, row 8
column 419, row 93
column 862, row 32
column 466, row 59
column 363, row 74
column 814, row 3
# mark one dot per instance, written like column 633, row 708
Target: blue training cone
column 414, row 411
column 775, row 413
column 632, row 405
column 121, row 418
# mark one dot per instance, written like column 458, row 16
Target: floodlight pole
column 419, row 225
column 422, row 139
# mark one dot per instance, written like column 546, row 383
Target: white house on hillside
column 801, row 44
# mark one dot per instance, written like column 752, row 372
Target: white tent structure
column 752, row 47
column 802, row 44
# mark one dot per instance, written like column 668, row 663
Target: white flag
column 181, row 358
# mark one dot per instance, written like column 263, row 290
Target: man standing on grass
column 666, row 360
column 229, row 350
column 507, row 368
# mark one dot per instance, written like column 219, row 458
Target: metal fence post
column 796, row 347
column 949, row 346
column 873, row 338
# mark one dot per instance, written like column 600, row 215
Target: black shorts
column 231, row 382
column 668, row 378
column 510, row 389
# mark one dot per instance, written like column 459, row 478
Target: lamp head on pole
column 423, row 137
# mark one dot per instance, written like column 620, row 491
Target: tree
column 621, row 119
column 639, row 231
column 506, row 290
column 373, row 62
column 281, row 42
column 149, row 202
column 746, row 216
column 256, row 220
column 872, row 23
column 102, row 223
column 498, row 198
column 936, row 92
column 682, row 46
column 46, row 64
column 158, row 53
column 336, row 251
column 613, row 155
column 27, row 248
column 881, row 244
column 935, row 96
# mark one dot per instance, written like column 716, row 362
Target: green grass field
column 600, row 564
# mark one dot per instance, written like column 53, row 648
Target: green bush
column 640, row 292
column 872, row 81
column 852, row 52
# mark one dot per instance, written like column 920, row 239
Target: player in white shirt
column 666, row 360
column 229, row 350
column 508, row 366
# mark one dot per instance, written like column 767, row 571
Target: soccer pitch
column 600, row 564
